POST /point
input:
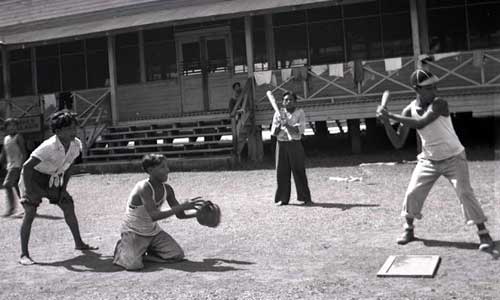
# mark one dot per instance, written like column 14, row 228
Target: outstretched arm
column 396, row 136
column 155, row 213
column 438, row 107
column 172, row 201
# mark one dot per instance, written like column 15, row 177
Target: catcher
column 141, row 236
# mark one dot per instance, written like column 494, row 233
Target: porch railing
column 365, row 80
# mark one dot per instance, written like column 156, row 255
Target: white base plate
column 410, row 266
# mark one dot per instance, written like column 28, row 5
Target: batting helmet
column 422, row 77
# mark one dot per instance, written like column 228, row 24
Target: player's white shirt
column 54, row 160
column 298, row 117
column 15, row 157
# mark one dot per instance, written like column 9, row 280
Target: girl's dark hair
column 236, row 84
column 61, row 119
column 152, row 160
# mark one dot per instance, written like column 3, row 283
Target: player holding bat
column 288, row 126
column 442, row 154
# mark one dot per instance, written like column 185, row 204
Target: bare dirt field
column 331, row 250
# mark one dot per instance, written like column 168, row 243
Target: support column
column 6, row 80
column 255, row 145
column 34, row 71
column 142, row 62
column 270, row 48
column 354, row 135
column 415, row 30
column 112, row 78
column 423, row 26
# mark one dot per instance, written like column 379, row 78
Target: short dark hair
column 291, row 94
column 152, row 160
column 61, row 119
column 9, row 121
column 236, row 84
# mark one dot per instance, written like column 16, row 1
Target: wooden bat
column 385, row 98
column 272, row 100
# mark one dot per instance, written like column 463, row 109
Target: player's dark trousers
column 290, row 159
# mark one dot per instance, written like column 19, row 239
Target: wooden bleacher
column 175, row 139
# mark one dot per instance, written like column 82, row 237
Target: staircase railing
column 240, row 118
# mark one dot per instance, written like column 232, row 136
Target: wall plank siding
column 150, row 100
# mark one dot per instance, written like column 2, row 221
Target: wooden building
column 144, row 73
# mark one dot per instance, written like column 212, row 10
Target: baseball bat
column 385, row 98
column 272, row 100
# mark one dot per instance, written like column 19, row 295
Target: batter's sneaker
column 407, row 237
column 26, row 261
column 486, row 242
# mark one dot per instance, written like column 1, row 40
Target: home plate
column 410, row 266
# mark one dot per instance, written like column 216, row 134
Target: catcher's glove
column 208, row 214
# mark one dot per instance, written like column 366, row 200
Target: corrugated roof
column 14, row 12
column 170, row 11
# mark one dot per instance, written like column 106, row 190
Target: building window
column 447, row 29
column 396, row 33
column 20, row 72
column 290, row 39
column 73, row 67
column 326, row 42
column 160, row 54
column 261, row 61
column 127, row 58
column 97, row 62
column 239, row 45
column 463, row 25
column 484, row 24
column 363, row 38
column 48, row 69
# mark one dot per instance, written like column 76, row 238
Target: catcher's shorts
column 12, row 177
column 131, row 247
column 40, row 189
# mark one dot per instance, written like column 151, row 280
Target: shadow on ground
column 91, row 261
column 495, row 252
column 342, row 206
column 207, row 265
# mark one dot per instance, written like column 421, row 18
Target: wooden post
column 34, row 71
column 142, row 62
column 112, row 78
column 255, row 146
column 415, row 30
column 423, row 25
column 270, row 48
column 354, row 135
column 6, row 80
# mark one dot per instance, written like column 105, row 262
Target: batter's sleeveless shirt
column 439, row 140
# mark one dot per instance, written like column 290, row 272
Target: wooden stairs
column 177, row 139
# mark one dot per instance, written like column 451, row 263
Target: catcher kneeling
column 141, row 236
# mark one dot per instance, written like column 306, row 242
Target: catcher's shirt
column 137, row 219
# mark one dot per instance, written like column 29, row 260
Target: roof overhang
column 112, row 22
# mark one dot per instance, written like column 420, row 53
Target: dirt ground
column 332, row 250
